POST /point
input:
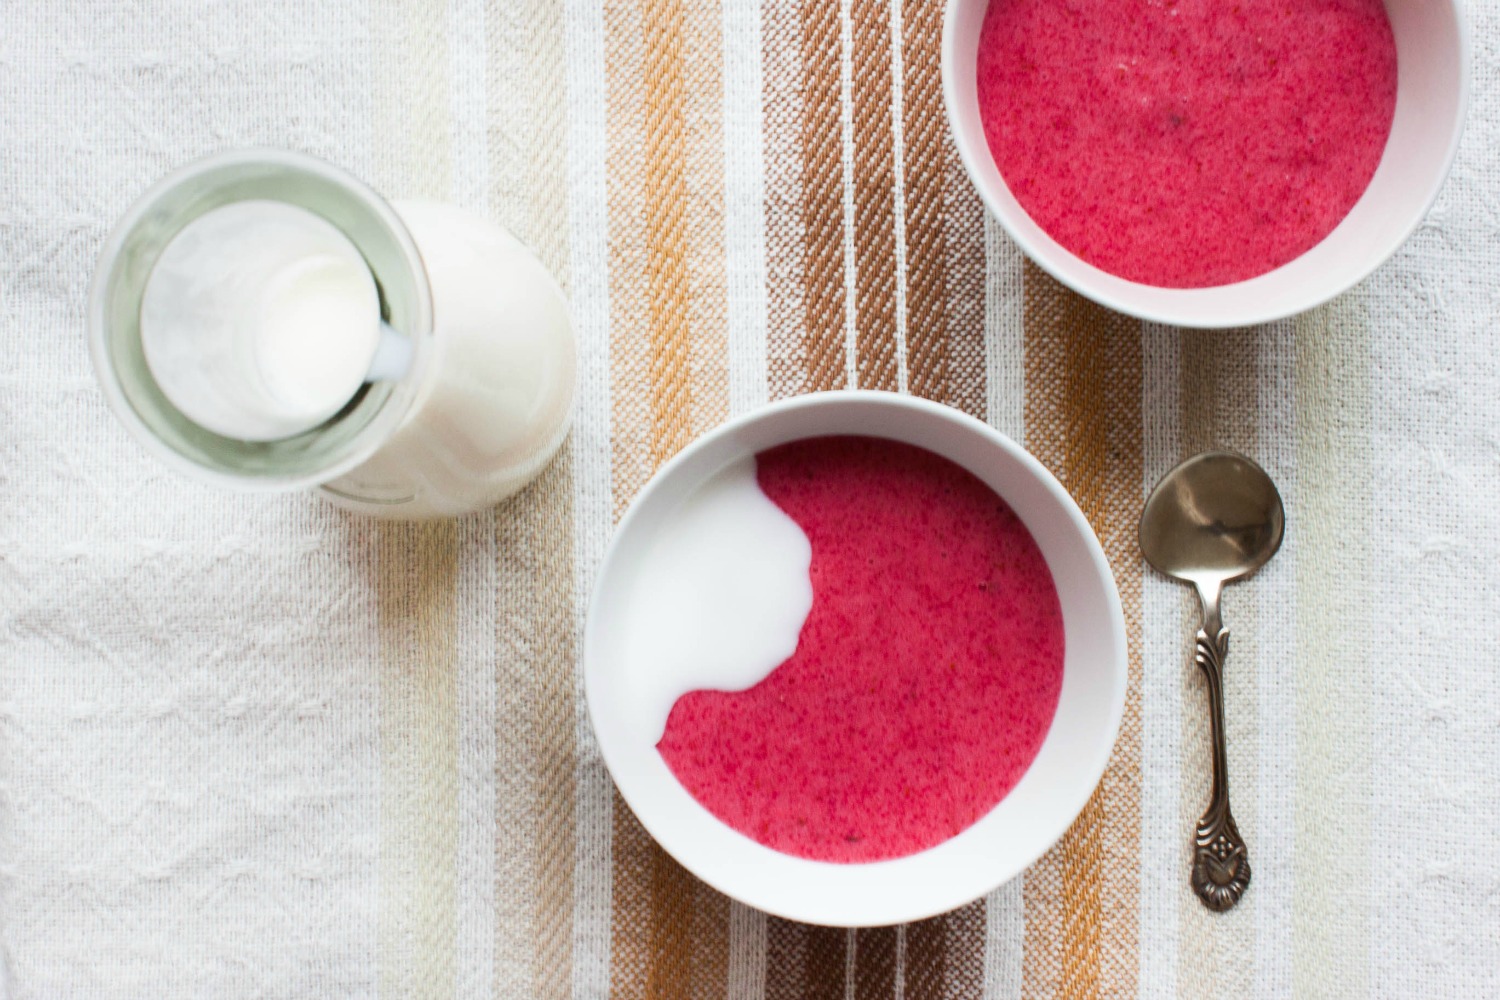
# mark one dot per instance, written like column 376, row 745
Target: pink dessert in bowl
column 1187, row 143
column 1150, row 155
column 925, row 676
column 925, row 768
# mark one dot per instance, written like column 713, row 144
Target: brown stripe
column 924, row 136
column 805, row 336
column 823, row 287
column 1083, row 420
column 945, row 348
column 710, row 942
column 827, row 964
column 874, row 194
column 875, row 969
column 944, row 232
column 927, row 959
column 945, row 956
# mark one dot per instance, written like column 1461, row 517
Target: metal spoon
column 1215, row 518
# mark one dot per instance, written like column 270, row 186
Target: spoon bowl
column 1216, row 516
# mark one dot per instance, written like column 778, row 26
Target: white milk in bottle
column 264, row 319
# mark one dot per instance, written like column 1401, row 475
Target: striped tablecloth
column 250, row 746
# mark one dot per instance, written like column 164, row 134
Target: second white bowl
column 1432, row 95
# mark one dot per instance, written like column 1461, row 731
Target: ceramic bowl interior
column 1432, row 91
column 1018, row 830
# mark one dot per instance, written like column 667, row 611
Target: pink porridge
column 1187, row 143
column 925, row 678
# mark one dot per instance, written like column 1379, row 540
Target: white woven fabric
column 191, row 771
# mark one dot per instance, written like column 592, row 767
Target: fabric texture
column 252, row 746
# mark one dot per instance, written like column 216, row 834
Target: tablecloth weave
column 250, row 746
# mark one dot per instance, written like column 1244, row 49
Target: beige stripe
column 631, row 375
column 419, row 750
column 1274, row 595
column 413, row 125
column 418, row 567
column 786, row 247
column 1217, row 398
column 552, row 742
column 513, row 31
column 534, row 837
column 588, row 226
column 1330, row 904
column 965, row 251
column 1083, row 419
column 702, row 73
column 1164, row 648
column 514, row 843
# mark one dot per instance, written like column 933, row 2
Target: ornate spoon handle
column 1221, row 867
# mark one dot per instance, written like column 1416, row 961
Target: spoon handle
column 1221, row 867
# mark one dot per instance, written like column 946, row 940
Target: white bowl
column 1012, row 835
column 1432, row 95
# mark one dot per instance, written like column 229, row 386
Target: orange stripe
column 631, row 917
column 669, row 933
column 874, row 190
column 1083, row 420
column 666, row 230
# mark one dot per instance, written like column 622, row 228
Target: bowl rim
column 1073, row 799
column 1191, row 316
